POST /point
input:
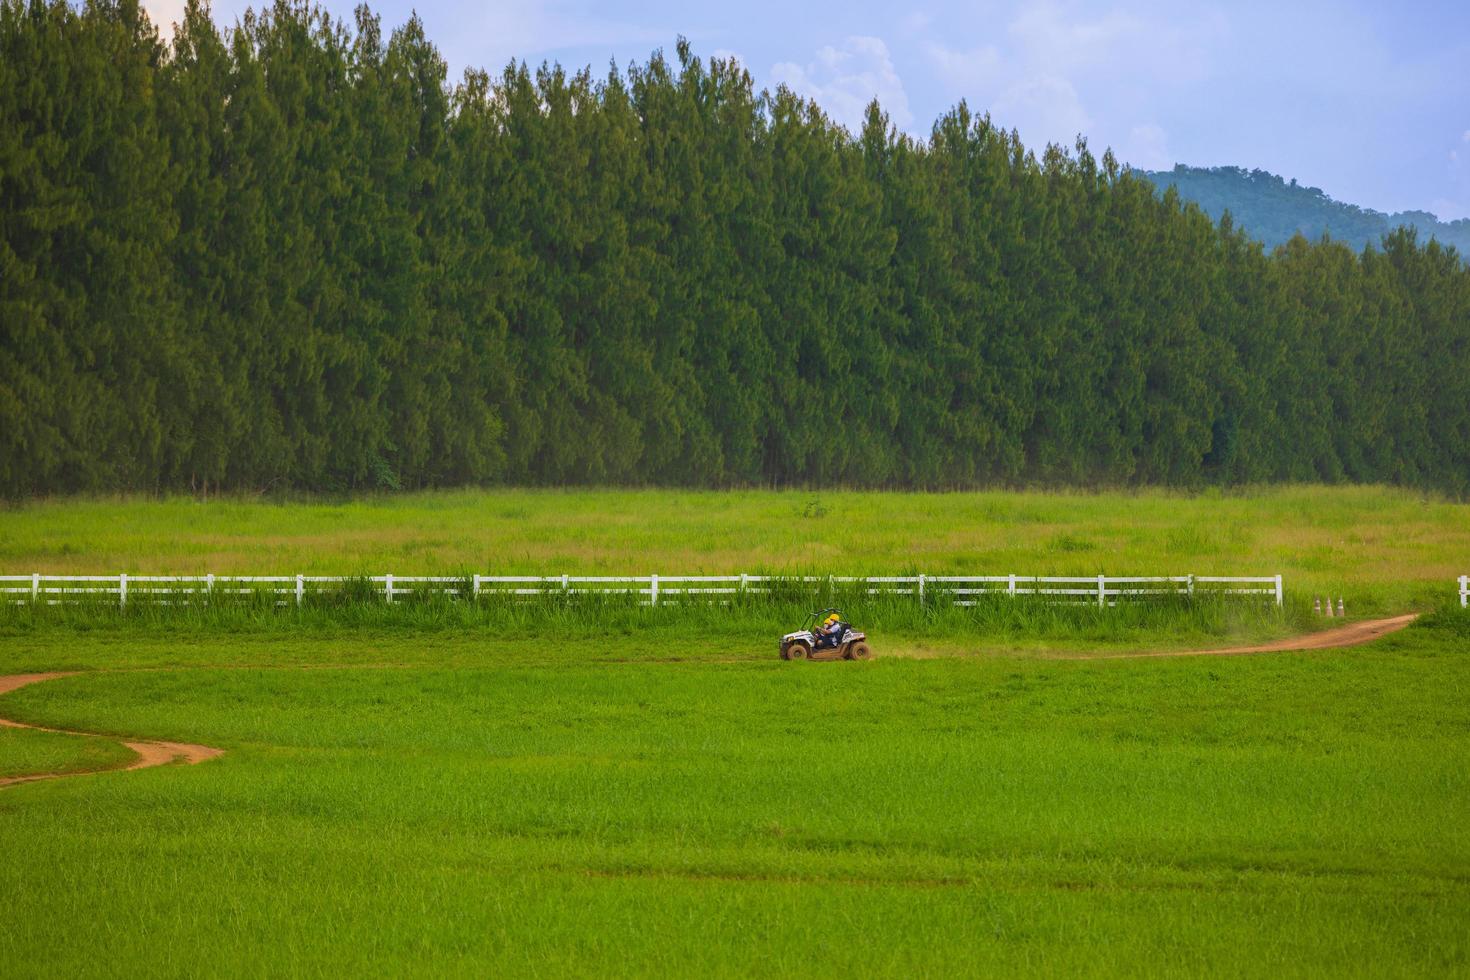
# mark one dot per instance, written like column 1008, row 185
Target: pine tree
column 290, row 254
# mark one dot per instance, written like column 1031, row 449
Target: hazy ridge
column 1272, row 209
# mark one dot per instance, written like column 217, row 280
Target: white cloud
column 1046, row 109
column 917, row 21
column 491, row 35
column 1447, row 210
column 165, row 14
column 843, row 80
column 973, row 71
column 1214, row 82
column 1043, row 74
column 1044, row 34
column 1146, row 148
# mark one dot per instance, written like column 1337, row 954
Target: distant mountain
column 1272, row 209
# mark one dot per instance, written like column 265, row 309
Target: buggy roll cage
column 813, row 618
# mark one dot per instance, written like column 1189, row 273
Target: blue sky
column 1368, row 100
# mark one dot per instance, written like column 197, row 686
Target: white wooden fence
column 961, row 590
column 1464, row 591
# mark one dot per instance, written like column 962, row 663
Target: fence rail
column 961, row 590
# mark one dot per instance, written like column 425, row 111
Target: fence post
column 1190, row 586
column 921, row 588
column 122, row 589
column 1102, row 591
column 209, row 586
column 476, row 592
column 564, row 582
column 1464, row 591
column 388, row 588
column 1011, row 587
column 744, row 584
column 1278, row 588
column 35, row 586
column 300, row 589
column 653, row 590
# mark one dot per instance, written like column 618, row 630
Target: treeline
column 290, row 255
column 1275, row 210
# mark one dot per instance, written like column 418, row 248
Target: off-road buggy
column 842, row 642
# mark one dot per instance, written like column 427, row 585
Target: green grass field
column 511, row 809
column 428, row 790
column 1370, row 543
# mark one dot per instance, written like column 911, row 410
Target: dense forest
column 291, row 255
column 1274, row 210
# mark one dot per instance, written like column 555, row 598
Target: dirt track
column 1351, row 635
column 148, row 753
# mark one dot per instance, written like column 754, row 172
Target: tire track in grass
column 149, row 753
column 1354, row 634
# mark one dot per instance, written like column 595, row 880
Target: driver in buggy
column 830, row 631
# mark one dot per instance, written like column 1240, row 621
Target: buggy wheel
column 795, row 651
column 860, row 651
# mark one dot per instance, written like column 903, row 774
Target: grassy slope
column 25, row 753
column 518, row 809
column 1384, row 547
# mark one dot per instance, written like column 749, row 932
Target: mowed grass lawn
column 508, row 808
column 1383, row 547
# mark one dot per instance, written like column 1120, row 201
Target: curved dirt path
column 149, row 754
column 1351, row 635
